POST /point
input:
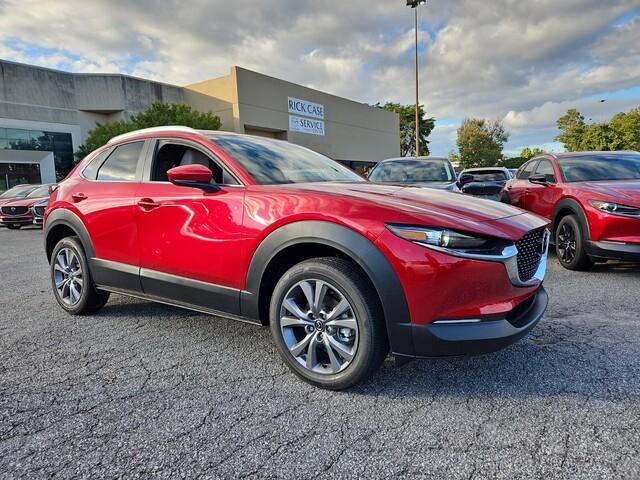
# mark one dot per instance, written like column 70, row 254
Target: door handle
column 148, row 204
column 78, row 197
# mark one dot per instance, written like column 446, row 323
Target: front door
column 541, row 199
column 191, row 242
column 518, row 187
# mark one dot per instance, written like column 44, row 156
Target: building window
column 41, row 140
column 12, row 174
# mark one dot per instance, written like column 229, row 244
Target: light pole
column 414, row 4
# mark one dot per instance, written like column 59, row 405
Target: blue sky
column 522, row 62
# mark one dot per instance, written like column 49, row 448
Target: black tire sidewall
column 361, row 364
column 74, row 244
column 581, row 260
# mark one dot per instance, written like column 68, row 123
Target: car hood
column 625, row 190
column 420, row 201
column 23, row 202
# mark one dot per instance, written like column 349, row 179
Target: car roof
column 585, row 153
column 421, row 159
column 480, row 169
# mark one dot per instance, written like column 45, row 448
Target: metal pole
column 417, row 101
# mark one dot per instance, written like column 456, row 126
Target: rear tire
column 571, row 245
column 343, row 325
column 71, row 279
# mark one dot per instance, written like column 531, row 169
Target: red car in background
column 17, row 212
column 19, row 191
column 592, row 199
column 272, row 233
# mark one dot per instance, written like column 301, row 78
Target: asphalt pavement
column 142, row 390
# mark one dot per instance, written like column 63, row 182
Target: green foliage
column 572, row 127
column 454, row 158
column 407, row 115
column 480, row 142
column 528, row 153
column 622, row 132
column 158, row 114
column 513, row 162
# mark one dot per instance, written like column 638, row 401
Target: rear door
column 517, row 188
column 541, row 199
column 106, row 201
column 191, row 242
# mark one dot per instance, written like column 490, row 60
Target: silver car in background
column 429, row 172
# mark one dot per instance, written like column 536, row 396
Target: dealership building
column 45, row 115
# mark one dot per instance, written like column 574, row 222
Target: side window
column 122, row 164
column 546, row 168
column 91, row 170
column 170, row 155
column 526, row 171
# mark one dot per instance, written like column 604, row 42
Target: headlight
column 440, row 237
column 615, row 208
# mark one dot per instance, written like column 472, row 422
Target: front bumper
column 16, row 220
column 475, row 336
column 614, row 250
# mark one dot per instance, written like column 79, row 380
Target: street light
column 414, row 4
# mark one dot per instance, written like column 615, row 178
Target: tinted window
column 546, row 168
column 19, row 191
column 488, row 176
column 600, row 167
column 122, row 164
column 91, row 170
column 526, row 171
column 170, row 155
column 276, row 161
column 413, row 171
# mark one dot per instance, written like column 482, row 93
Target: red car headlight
column 615, row 208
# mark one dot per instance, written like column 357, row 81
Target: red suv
column 265, row 231
column 17, row 212
column 592, row 199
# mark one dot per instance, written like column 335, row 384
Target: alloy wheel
column 567, row 243
column 68, row 276
column 319, row 326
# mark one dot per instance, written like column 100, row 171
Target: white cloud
column 523, row 61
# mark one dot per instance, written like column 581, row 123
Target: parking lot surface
column 141, row 390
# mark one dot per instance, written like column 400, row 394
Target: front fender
column 351, row 244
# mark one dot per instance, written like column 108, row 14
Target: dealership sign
column 299, row 109
column 306, row 125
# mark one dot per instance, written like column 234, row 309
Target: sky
column 524, row 62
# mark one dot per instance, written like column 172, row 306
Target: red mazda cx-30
column 592, row 199
column 265, row 231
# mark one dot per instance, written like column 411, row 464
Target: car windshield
column 272, row 161
column 413, row 171
column 19, row 191
column 42, row 191
column 593, row 168
column 488, row 176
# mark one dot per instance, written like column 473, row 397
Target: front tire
column 571, row 245
column 71, row 279
column 327, row 323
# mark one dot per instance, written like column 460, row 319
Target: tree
column 480, row 142
column 512, row 162
column 158, row 114
column 572, row 127
column 596, row 137
column 407, row 115
column 528, row 153
column 625, row 130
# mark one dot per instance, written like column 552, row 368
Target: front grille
column 14, row 210
column 39, row 211
column 530, row 250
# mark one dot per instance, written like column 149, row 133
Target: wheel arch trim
column 69, row 219
column 576, row 208
column 352, row 244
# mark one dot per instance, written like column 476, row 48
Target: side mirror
column 464, row 179
column 194, row 176
column 539, row 179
